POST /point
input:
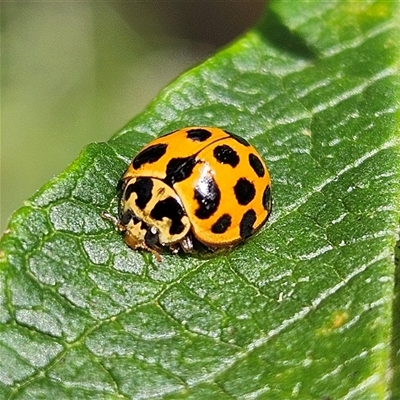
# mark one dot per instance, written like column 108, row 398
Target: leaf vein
column 318, row 188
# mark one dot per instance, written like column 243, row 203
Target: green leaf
column 305, row 309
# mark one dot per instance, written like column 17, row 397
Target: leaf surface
column 302, row 310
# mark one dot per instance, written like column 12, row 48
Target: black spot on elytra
column 149, row 155
column 256, row 164
column 142, row 187
column 208, row 196
column 226, row 155
column 239, row 139
column 198, row 135
column 178, row 169
column 267, row 199
column 247, row 223
column 244, row 191
column 222, row 224
column 171, row 209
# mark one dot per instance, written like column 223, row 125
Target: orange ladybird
column 199, row 182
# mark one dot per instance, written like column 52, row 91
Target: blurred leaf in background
column 74, row 72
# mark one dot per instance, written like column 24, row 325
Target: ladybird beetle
column 196, row 182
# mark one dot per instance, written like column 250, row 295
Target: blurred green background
column 75, row 72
